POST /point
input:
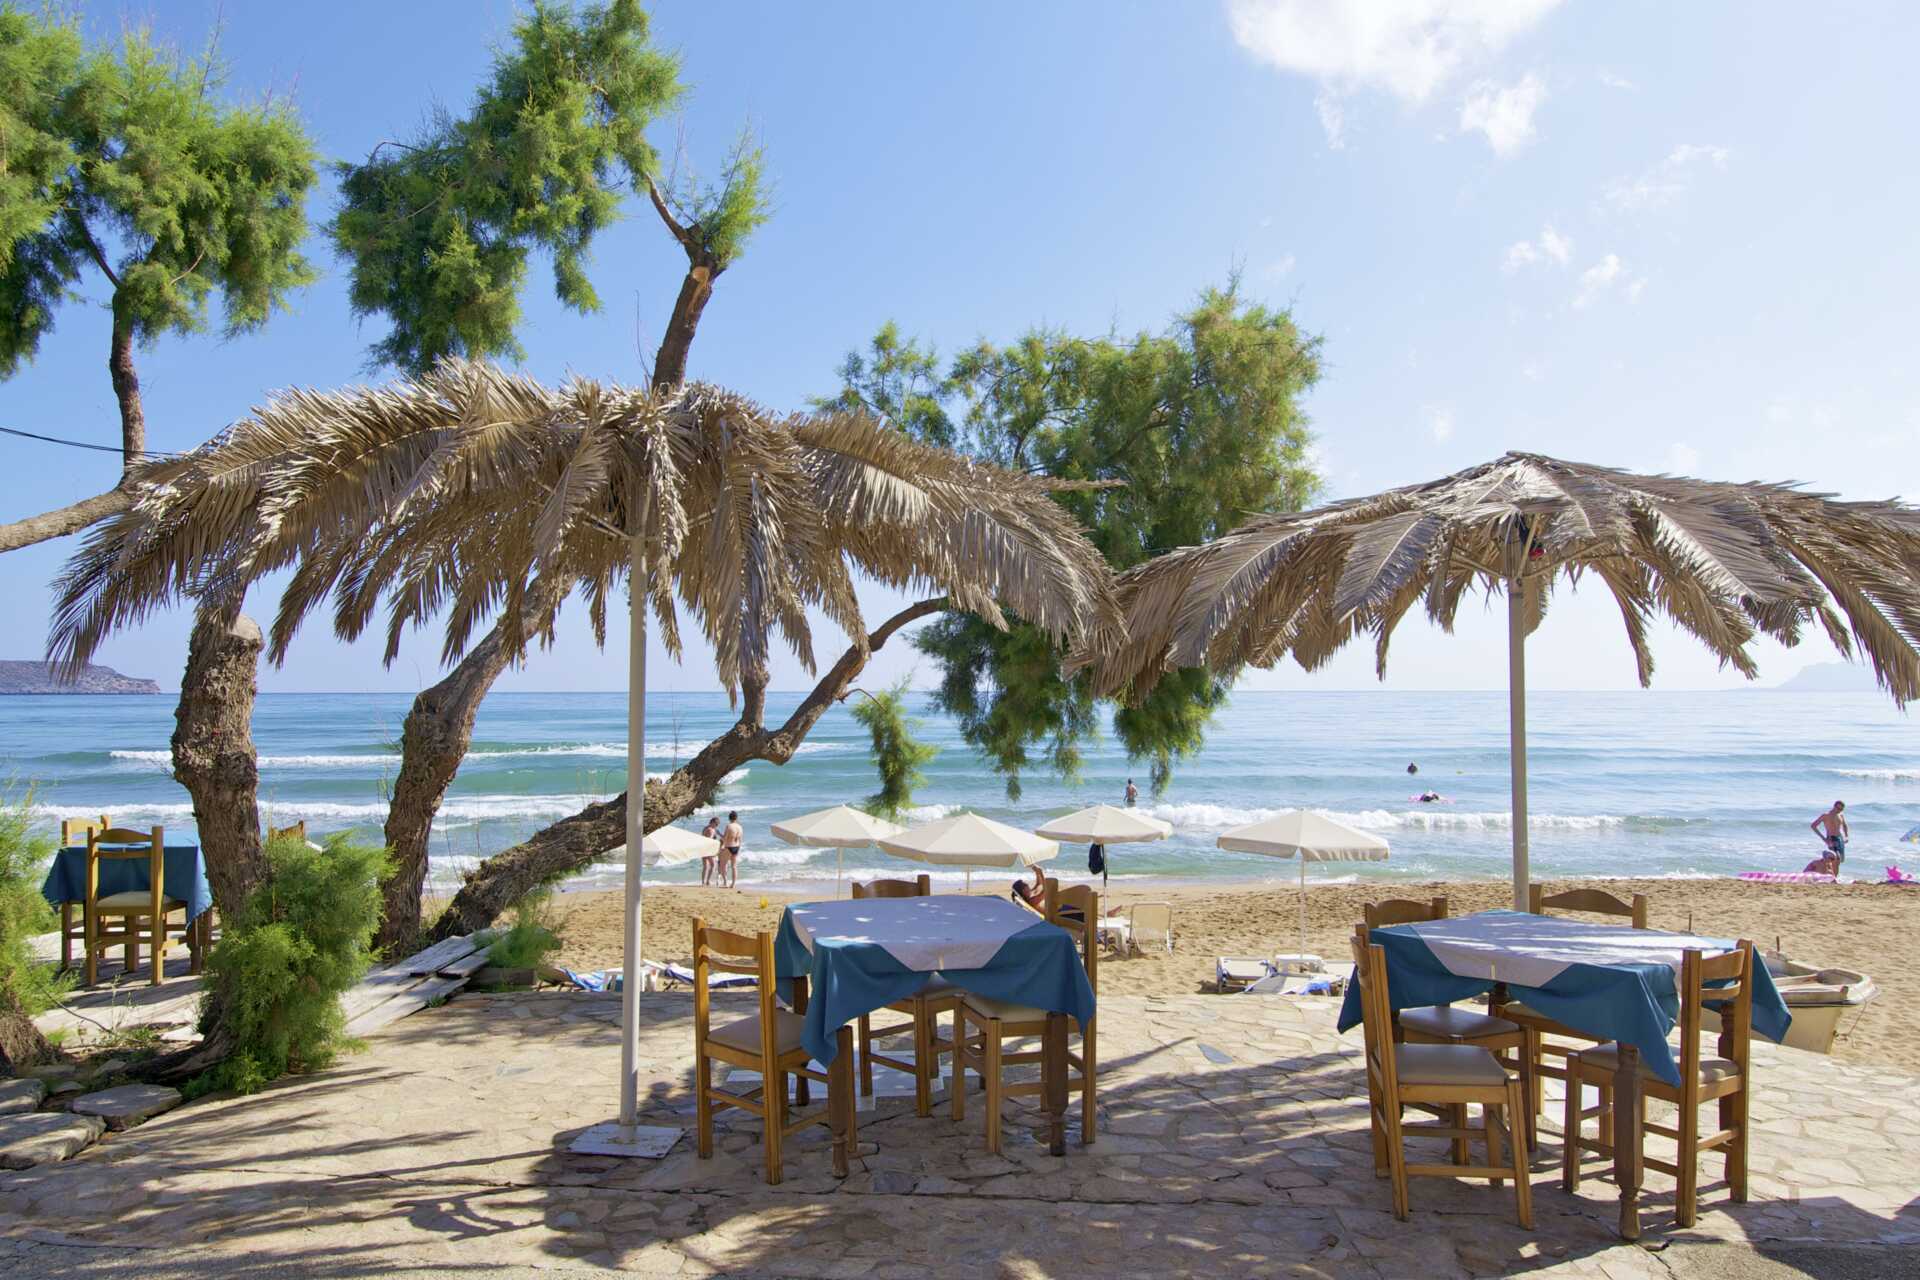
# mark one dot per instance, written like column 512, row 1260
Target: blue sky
column 1654, row 236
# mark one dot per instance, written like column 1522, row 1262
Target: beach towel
column 1789, row 877
column 1896, row 876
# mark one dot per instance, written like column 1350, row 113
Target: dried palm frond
column 471, row 494
column 1727, row 562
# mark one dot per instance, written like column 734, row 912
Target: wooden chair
column 298, row 831
column 767, row 1042
column 142, row 913
column 1726, row 1078
column 73, row 833
column 1447, row 1077
column 1448, row 1024
column 1595, row 902
column 923, row 1010
column 984, row 1025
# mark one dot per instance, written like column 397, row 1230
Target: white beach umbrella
column 1310, row 837
column 840, row 828
column 671, row 846
column 1105, row 824
column 969, row 840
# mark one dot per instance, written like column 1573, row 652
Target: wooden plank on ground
column 375, row 989
column 444, row 952
column 465, row 965
column 412, row 1000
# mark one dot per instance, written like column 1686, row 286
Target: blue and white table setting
column 1612, row 982
column 851, row 957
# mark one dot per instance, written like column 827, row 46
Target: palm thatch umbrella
column 470, row 492
column 1727, row 562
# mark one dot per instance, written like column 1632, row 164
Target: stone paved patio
column 444, row 1146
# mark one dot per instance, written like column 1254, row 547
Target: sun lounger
column 1236, row 973
column 1150, row 921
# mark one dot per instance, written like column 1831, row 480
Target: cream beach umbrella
column 840, row 828
column 1310, row 837
column 1724, row 562
column 969, row 840
column 1105, row 824
column 486, row 500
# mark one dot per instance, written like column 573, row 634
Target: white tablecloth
column 924, row 934
column 1530, row 951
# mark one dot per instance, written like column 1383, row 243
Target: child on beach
column 711, row 832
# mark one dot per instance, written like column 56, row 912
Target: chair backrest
column 919, row 887
column 118, row 844
column 728, row 952
column 298, row 831
column 1726, row 982
column 73, row 831
column 1393, row 911
column 1076, row 909
column 1151, row 917
column 1597, row 901
column 1376, row 1016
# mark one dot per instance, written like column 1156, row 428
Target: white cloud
column 1603, row 277
column 1550, row 247
column 1409, row 48
column 1666, row 181
column 1612, row 81
column 1505, row 115
column 1333, row 118
column 1532, row 372
column 1683, row 459
column 1283, row 266
column 1439, row 422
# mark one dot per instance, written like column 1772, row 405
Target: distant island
column 1831, row 677
column 37, row 677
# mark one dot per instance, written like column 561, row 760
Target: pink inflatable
column 1789, row 877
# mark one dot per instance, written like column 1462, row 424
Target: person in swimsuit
column 730, row 842
column 711, row 832
column 1133, row 793
column 1832, row 828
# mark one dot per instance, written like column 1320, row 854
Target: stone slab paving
column 128, row 1105
column 445, row 1145
column 43, row 1137
column 21, row 1095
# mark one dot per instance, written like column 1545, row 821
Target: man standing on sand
column 1831, row 827
column 1133, row 793
column 711, row 832
column 730, row 842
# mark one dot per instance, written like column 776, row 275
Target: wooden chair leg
column 1397, row 1162
column 866, row 1055
column 1379, row 1132
column 1733, row 1115
column 66, row 936
column 703, row 1106
column 1088, row 1082
column 924, row 1063
column 773, row 1096
column 1686, row 1194
column 1529, row 1088
column 157, row 950
column 1570, row 1135
column 1522, row 1187
column 957, row 1099
column 91, row 942
column 1490, row 1131
column 1462, row 1153
column 990, row 1068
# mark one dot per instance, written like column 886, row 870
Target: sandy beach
column 1853, row 926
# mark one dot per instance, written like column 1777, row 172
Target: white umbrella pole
column 1517, row 736
column 1303, row 904
column 837, row 854
column 969, row 881
column 636, row 832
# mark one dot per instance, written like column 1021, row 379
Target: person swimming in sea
column 1429, row 797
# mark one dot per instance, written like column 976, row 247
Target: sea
column 1651, row 783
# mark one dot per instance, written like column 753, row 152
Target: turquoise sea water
column 1656, row 784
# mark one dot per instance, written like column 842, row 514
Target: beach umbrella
column 840, row 828
column 1105, row 824
column 479, row 497
column 969, row 840
column 1726, row 562
column 1310, row 837
column 670, row 846
column 1913, row 836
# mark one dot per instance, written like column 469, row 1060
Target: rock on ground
column 128, row 1105
column 20, row 1095
column 43, row 1137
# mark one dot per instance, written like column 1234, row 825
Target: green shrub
column 283, row 960
column 531, row 938
column 23, row 912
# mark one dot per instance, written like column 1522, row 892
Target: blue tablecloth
column 1037, row 966
column 1636, row 1004
column 186, row 877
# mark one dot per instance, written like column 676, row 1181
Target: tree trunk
column 578, row 841
column 438, row 731
column 213, row 755
column 670, row 363
column 21, row 1044
column 126, row 387
column 69, row 519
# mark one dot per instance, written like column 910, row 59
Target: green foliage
column 124, row 160
column 23, row 912
column 721, row 215
column 899, row 758
column 439, row 231
column 532, row 936
column 284, row 959
column 1197, row 428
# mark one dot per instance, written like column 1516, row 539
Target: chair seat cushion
column 134, row 900
column 1606, row 1057
column 744, row 1034
column 1461, row 1064
column 1005, row 1010
column 1445, row 1022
